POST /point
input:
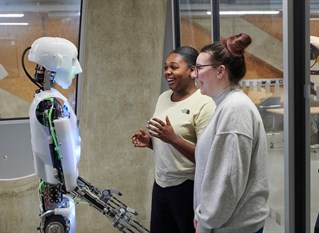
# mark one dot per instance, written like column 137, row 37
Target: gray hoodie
column 231, row 188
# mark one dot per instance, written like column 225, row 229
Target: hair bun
column 237, row 44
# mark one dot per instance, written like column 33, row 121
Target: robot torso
column 55, row 139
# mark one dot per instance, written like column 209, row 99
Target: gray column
column 123, row 62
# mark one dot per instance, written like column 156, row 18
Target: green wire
column 42, row 186
column 52, row 129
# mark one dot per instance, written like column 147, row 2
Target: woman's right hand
column 141, row 139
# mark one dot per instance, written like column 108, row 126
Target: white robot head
column 58, row 55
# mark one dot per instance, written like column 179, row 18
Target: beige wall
column 122, row 76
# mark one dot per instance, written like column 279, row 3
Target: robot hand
column 121, row 216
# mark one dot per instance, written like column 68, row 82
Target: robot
column 56, row 145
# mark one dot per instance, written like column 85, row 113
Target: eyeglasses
column 198, row 67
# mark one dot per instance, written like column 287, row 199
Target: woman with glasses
column 230, row 190
column 180, row 116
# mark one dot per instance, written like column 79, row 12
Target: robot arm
column 121, row 216
column 56, row 145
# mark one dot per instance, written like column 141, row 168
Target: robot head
column 57, row 55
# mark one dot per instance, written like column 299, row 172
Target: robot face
column 58, row 55
column 65, row 74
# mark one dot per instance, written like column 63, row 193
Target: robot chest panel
column 50, row 109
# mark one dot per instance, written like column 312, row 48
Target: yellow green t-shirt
column 188, row 118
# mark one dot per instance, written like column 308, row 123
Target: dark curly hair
column 188, row 53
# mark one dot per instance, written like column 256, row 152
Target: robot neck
column 44, row 77
column 47, row 80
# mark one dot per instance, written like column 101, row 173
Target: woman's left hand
column 161, row 130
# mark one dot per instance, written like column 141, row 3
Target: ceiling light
column 246, row 12
column 11, row 15
column 14, row 24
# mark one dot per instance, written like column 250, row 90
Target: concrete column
column 122, row 79
column 19, row 205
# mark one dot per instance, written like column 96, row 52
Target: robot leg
column 57, row 211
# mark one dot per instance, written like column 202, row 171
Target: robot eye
column 72, row 71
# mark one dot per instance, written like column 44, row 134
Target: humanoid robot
column 56, row 145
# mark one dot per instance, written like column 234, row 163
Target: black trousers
column 260, row 230
column 172, row 208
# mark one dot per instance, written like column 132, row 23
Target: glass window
column 195, row 23
column 263, row 82
column 22, row 22
column 314, row 113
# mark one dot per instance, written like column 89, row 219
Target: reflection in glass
column 263, row 22
column 314, row 117
column 263, row 82
column 195, row 23
column 17, row 32
column 264, row 79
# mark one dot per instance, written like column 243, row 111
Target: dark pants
column 260, row 230
column 172, row 209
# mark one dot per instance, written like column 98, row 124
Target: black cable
column 313, row 63
column 25, row 70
